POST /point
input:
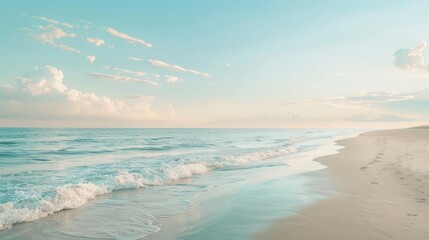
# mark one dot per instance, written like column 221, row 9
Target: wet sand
column 383, row 183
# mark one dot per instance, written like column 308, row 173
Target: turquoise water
column 125, row 183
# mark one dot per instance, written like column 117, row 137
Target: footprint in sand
column 412, row 214
column 421, row 200
column 363, row 168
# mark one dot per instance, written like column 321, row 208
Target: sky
column 215, row 64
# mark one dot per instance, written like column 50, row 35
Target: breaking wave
column 73, row 196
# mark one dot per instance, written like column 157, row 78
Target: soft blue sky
column 271, row 63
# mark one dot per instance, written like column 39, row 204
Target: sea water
column 130, row 183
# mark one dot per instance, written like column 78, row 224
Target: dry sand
column 383, row 180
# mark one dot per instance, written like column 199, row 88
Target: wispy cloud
column 376, row 106
column 142, row 97
column 375, row 97
column 379, row 118
column 172, row 79
column 50, row 35
column 118, row 34
column 96, row 41
column 137, row 73
column 7, row 88
column 90, row 58
column 49, row 20
column 135, row 58
column 173, row 67
column 122, row 78
column 67, row 48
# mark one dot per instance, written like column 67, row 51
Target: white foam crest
column 74, row 196
column 186, row 170
column 66, row 197
column 125, row 180
column 260, row 156
column 70, row 197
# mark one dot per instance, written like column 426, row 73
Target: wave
column 263, row 155
column 67, row 197
column 73, row 196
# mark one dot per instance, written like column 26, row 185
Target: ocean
column 154, row 183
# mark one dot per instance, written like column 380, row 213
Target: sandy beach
column 383, row 185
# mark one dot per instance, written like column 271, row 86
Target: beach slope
column 383, row 184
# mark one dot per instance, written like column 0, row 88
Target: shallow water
column 143, row 177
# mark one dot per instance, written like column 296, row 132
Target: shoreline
column 215, row 203
column 383, row 191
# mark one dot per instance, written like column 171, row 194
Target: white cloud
column 68, row 48
column 379, row 118
column 135, row 58
column 46, row 80
column 122, row 78
column 53, row 33
column 42, row 93
column 364, row 102
column 411, row 58
column 227, row 64
column 118, row 34
column 173, row 67
column 49, row 20
column 142, row 97
column 50, row 35
column 136, row 106
column 7, row 88
column 92, row 104
column 137, row 73
column 140, row 103
column 171, row 79
column 96, row 41
column 376, row 97
column 379, row 106
column 91, row 59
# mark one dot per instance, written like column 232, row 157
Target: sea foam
column 73, row 196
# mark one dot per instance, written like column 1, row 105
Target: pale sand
column 383, row 184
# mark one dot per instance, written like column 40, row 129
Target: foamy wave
column 125, row 180
column 259, row 156
column 67, row 197
column 186, row 170
column 77, row 195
